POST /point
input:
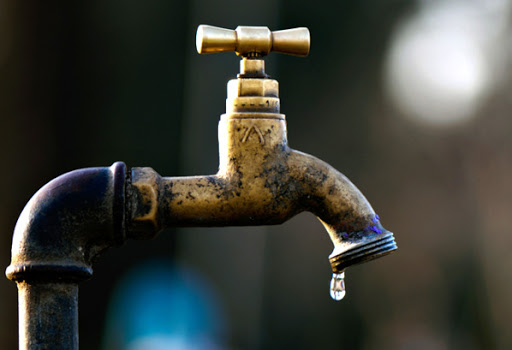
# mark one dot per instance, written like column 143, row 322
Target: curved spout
column 348, row 217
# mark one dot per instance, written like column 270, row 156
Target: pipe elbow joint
column 67, row 223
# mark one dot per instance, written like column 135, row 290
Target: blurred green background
column 410, row 99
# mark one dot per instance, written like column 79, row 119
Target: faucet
column 261, row 181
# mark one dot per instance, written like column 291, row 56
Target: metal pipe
column 48, row 316
column 60, row 232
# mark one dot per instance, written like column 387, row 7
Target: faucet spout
column 348, row 217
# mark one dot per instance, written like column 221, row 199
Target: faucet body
column 261, row 181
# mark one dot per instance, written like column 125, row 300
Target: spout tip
column 382, row 245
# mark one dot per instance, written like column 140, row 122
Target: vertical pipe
column 48, row 316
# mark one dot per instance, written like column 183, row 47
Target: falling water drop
column 338, row 286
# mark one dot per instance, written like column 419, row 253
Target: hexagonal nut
column 253, row 87
column 143, row 205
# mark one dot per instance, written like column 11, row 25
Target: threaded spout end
column 376, row 248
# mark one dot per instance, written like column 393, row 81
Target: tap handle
column 252, row 42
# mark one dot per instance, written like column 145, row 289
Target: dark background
column 89, row 83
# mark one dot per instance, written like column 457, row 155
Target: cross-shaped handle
column 252, row 42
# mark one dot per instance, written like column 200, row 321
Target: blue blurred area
column 158, row 305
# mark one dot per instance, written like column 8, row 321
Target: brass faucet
column 261, row 181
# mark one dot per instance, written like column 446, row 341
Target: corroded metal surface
column 261, row 181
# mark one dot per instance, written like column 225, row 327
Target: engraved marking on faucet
column 248, row 132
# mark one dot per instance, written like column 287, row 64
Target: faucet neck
column 253, row 93
column 246, row 144
column 252, row 68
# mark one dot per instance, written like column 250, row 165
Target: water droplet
column 338, row 286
